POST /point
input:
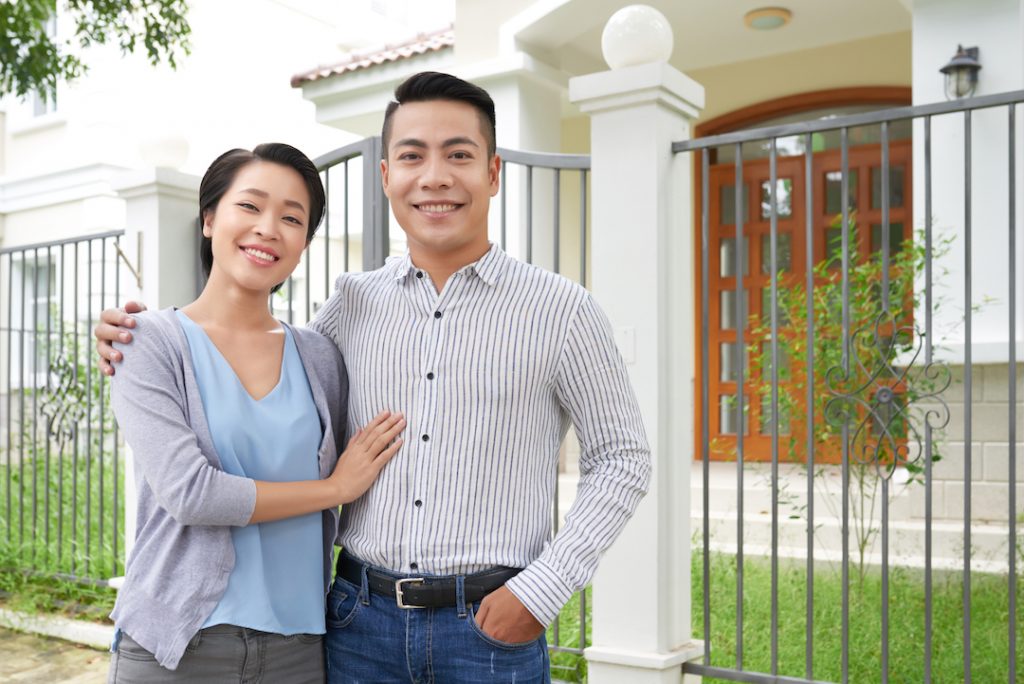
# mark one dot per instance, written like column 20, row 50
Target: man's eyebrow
column 416, row 142
column 265, row 195
column 460, row 140
column 410, row 142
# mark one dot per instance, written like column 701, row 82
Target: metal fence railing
column 62, row 469
column 847, row 371
column 566, row 224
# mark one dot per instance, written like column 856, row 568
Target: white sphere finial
column 637, row 34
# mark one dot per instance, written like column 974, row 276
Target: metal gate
column 847, row 368
column 62, row 470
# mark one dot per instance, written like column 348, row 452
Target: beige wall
column 477, row 23
column 883, row 60
column 576, row 135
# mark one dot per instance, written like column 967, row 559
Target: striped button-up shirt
column 489, row 374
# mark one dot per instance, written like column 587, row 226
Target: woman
column 233, row 419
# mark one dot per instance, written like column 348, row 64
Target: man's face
column 438, row 177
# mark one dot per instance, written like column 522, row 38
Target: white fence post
column 161, row 243
column 643, row 277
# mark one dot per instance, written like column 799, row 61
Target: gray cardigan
column 179, row 566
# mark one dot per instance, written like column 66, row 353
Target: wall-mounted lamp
column 962, row 73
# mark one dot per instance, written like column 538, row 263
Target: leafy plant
column 869, row 375
column 32, row 59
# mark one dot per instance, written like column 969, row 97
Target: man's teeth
column 259, row 254
column 437, row 208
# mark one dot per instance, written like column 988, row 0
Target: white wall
column 996, row 27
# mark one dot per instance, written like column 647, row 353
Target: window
column 33, row 306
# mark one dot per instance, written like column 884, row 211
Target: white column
column 643, row 277
column 528, row 100
column 162, row 244
column 161, row 211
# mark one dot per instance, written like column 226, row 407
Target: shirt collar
column 488, row 267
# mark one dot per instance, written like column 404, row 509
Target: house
column 758, row 67
column 638, row 239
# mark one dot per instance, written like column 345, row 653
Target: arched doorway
column 865, row 200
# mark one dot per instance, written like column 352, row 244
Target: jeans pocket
column 193, row 643
column 496, row 643
column 129, row 649
column 342, row 604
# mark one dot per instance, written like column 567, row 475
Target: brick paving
column 30, row 659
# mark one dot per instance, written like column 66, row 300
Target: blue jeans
column 370, row 639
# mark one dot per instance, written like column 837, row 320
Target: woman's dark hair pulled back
column 221, row 175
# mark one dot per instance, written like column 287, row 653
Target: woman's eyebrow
column 265, row 195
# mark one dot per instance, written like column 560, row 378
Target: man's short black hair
column 432, row 85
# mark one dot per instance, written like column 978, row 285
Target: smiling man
column 449, row 571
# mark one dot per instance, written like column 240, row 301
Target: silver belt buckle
column 399, row 596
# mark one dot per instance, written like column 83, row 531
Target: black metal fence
column 62, row 470
column 874, row 405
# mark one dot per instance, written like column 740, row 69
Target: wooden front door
column 865, row 203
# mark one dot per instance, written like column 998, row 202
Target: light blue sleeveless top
column 276, row 584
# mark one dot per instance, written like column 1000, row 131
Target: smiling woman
column 235, row 421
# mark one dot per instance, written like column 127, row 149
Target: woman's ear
column 208, row 224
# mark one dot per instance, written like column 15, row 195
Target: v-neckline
column 234, row 374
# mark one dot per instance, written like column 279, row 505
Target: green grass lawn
column 989, row 611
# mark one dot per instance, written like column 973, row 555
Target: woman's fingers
column 368, row 437
column 385, row 456
column 386, row 435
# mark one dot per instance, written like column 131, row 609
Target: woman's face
column 259, row 226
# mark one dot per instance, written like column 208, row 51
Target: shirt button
column 426, row 438
column 437, row 314
column 418, row 503
column 413, row 566
column 419, row 274
column 430, row 376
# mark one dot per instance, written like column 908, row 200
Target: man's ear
column 384, row 175
column 494, row 173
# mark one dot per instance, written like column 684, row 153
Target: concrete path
column 29, row 659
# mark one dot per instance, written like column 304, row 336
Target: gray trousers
column 225, row 653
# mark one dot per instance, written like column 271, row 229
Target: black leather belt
column 424, row 592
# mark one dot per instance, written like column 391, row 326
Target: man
column 448, row 571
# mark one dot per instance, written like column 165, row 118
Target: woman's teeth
column 259, row 254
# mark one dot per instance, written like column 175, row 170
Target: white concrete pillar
column 161, row 212
column 527, row 100
column 162, row 244
column 643, row 277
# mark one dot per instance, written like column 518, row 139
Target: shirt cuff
column 542, row 590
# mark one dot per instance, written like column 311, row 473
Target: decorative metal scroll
column 63, row 402
column 887, row 396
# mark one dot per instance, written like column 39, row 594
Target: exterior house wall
column 995, row 26
column 476, row 23
column 878, row 61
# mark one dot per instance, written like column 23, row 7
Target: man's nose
column 436, row 174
